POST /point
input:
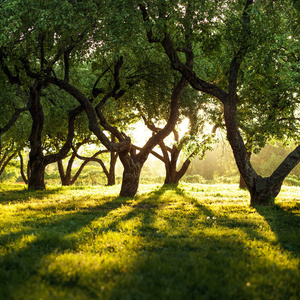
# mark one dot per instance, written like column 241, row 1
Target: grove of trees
column 81, row 72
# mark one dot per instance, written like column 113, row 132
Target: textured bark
column 36, row 157
column 37, row 160
column 264, row 191
column 243, row 184
column 111, row 176
column 131, row 175
column 37, row 175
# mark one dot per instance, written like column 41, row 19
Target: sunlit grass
column 189, row 241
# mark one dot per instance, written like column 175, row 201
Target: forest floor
column 189, row 241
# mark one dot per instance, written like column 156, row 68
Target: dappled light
column 149, row 150
column 167, row 242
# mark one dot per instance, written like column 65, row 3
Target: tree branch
column 123, row 145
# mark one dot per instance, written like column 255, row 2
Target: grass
column 189, row 241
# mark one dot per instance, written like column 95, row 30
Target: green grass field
column 189, row 241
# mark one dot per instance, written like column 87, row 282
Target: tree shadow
column 285, row 223
column 44, row 236
column 12, row 196
column 171, row 265
column 180, row 253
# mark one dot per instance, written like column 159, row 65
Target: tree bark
column 64, row 177
column 111, row 176
column 37, row 160
column 37, row 174
column 22, row 169
column 243, row 184
column 36, row 156
column 131, row 175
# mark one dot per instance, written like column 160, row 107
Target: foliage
column 186, row 241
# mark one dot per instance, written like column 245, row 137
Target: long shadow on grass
column 285, row 223
column 182, row 259
column 180, row 255
column 24, row 249
column 25, row 195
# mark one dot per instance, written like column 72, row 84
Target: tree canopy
column 67, row 58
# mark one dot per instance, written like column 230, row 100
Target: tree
column 32, row 41
column 194, row 142
column 241, row 24
column 131, row 160
column 66, row 175
column 44, row 47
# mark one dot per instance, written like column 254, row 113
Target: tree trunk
column 173, row 176
column 243, row 184
column 36, row 157
column 22, row 169
column 131, row 175
column 264, row 191
column 64, row 177
column 170, row 178
column 37, row 174
column 111, row 176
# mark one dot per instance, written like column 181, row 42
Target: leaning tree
column 239, row 29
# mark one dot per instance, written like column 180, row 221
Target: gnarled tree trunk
column 36, row 156
column 131, row 175
column 111, row 176
column 37, row 173
column 262, row 190
column 64, row 177
column 172, row 175
column 37, row 160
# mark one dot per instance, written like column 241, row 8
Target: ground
column 189, row 241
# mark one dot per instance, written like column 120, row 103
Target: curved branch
column 89, row 159
column 286, row 166
column 5, row 162
column 13, row 119
column 159, row 136
column 151, row 152
column 71, row 132
column 22, row 168
column 123, row 145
